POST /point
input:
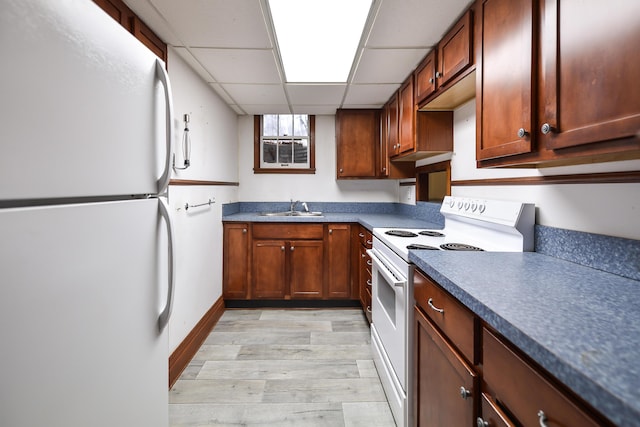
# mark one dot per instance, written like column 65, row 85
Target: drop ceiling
column 231, row 45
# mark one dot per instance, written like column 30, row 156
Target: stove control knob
column 460, row 204
column 482, row 208
column 452, row 202
column 474, row 206
column 466, row 205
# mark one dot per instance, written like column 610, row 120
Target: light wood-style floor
column 283, row 368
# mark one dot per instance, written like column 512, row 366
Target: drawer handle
column 464, row 393
column 481, row 423
column 368, row 242
column 368, row 282
column 362, row 255
column 542, row 418
column 360, row 235
column 433, row 307
column 368, row 309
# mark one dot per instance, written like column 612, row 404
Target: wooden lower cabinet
column 287, row 261
column 338, row 269
column 305, row 268
column 445, row 386
column 523, row 390
column 497, row 386
column 235, row 265
column 269, row 269
column 365, row 240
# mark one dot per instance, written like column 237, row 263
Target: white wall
column 611, row 209
column 321, row 186
column 198, row 241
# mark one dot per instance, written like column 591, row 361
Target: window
column 284, row 143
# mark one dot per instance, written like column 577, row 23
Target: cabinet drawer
column 287, row 231
column 453, row 319
column 492, row 415
column 366, row 238
column 524, row 392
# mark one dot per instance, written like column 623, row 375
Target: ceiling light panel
column 318, row 39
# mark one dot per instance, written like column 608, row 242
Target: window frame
column 257, row 150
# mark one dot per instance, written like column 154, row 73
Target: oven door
column 388, row 308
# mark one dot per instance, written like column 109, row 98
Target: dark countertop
column 579, row 323
column 368, row 220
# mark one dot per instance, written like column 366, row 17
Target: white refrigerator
column 86, row 269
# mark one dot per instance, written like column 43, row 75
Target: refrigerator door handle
column 163, row 319
column 163, row 76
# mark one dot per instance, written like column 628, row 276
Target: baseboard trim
column 188, row 348
column 292, row 303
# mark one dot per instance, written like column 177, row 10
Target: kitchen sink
column 291, row 213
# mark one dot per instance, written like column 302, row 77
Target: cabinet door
column 445, row 386
column 338, row 261
column 393, row 144
column 590, row 60
column 269, row 274
column 357, row 139
column 454, row 50
column 407, row 110
column 235, row 261
column 305, row 268
column 505, row 78
column 425, row 76
column 492, row 415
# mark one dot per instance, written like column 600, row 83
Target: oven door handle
column 390, row 274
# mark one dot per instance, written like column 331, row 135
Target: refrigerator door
column 82, row 288
column 84, row 110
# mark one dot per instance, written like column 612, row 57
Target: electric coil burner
column 421, row 247
column 459, row 247
column 401, row 233
column 474, row 225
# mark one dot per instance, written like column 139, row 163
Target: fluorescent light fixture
column 318, row 39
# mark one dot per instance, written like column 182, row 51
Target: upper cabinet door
column 406, row 120
column 455, row 50
column 357, row 140
column 504, row 67
column 425, row 76
column 590, row 65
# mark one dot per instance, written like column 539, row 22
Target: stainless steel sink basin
column 291, row 213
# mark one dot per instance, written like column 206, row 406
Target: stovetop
column 471, row 225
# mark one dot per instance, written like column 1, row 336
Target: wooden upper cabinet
column 393, row 129
column 445, row 79
column 357, row 140
column 590, row 67
column 557, row 82
column 425, row 76
column 406, row 117
column 505, row 78
column 149, row 39
column 119, row 11
column 455, row 50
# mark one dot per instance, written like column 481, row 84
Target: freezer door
column 83, row 110
column 82, row 288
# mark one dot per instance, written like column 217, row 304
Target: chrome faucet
column 305, row 207
column 293, row 205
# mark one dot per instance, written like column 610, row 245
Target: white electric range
column 470, row 224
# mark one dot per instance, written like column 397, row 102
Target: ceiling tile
column 266, row 109
column 316, row 94
column 222, row 93
column 239, row 65
column 193, row 63
column 256, row 94
column 315, row 109
column 387, row 65
column 216, row 23
column 413, row 23
column 370, row 94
